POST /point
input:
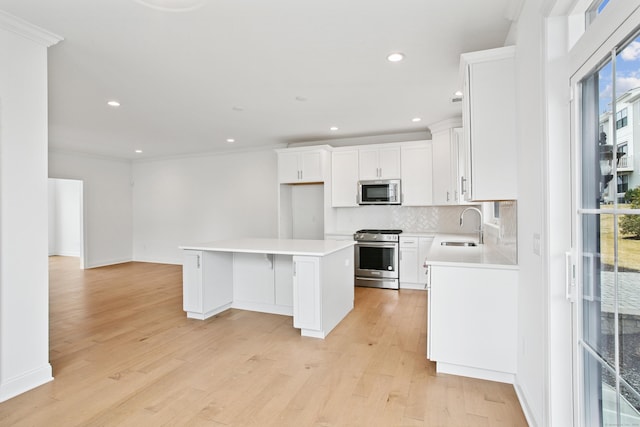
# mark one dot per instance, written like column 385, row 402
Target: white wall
column 202, row 198
column 107, row 204
column 24, row 298
column 532, row 303
column 65, row 219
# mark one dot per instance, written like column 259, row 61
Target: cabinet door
column 417, row 175
column 311, row 167
column 442, row 192
column 490, row 90
column 284, row 280
column 368, row 159
column 344, row 182
column 389, row 163
column 192, row 281
column 288, row 170
column 473, row 317
column 409, row 263
column 306, row 293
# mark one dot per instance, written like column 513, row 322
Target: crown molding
column 27, row 30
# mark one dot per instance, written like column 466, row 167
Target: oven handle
column 391, row 245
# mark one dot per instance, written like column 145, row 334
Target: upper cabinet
column 299, row 165
column 379, row 162
column 344, row 177
column 488, row 115
column 416, row 175
column 446, row 162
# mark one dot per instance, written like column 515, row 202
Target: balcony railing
column 626, row 162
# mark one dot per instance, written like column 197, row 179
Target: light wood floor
column 124, row 354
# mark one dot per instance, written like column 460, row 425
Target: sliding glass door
column 607, row 237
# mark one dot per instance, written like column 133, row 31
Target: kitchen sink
column 457, row 243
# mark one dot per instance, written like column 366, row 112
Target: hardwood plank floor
column 124, row 353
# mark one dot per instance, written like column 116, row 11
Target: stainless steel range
column 377, row 258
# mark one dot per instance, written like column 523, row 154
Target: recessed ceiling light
column 113, row 103
column 138, row 151
column 416, row 119
column 458, row 93
column 230, row 140
column 334, row 128
column 395, row 57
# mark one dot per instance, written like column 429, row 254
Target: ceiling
column 261, row 73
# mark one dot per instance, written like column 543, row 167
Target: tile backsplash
column 441, row 219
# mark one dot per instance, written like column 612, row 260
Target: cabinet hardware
column 447, row 196
column 463, row 185
column 198, row 261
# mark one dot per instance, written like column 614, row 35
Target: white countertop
column 274, row 246
column 473, row 256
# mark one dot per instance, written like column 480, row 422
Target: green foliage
column 630, row 224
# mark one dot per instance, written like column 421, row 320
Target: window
column 621, row 118
column 594, row 10
column 623, row 186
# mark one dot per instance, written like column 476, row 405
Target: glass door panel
column 609, row 240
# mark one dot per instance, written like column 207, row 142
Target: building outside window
column 621, row 118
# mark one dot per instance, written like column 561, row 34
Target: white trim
column 526, row 409
column 27, row 30
column 617, row 21
column 483, row 374
column 25, row 382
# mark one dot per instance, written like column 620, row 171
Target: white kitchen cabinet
column 408, row 260
column 382, row 162
column 472, row 321
column 445, row 162
column 306, row 293
column 301, row 165
column 416, row 162
column 200, row 269
column 344, row 178
column 413, row 251
column 489, row 124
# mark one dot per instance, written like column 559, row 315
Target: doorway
column 607, row 239
column 66, row 219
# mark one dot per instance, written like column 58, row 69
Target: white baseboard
column 25, row 382
column 483, row 374
column 105, row 263
column 525, row 406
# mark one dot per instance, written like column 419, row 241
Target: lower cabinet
column 413, row 251
column 472, row 321
column 200, row 269
column 306, row 293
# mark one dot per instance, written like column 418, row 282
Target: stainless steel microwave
column 379, row 192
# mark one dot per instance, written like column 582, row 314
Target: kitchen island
column 311, row 280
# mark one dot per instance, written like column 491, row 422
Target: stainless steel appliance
column 376, row 258
column 379, row 192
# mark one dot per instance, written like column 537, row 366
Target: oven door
column 376, row 260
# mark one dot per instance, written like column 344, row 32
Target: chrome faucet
column 481, row 229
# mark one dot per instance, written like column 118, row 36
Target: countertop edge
column 226, row 246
